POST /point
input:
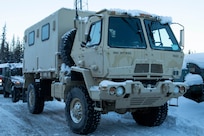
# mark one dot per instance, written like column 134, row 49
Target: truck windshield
column 161, row 36
column 125, row 32
column 16, row 72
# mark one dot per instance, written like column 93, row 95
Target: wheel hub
column 31, row 98
column 76, row 110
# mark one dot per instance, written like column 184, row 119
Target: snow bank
column 193, row 79
column 4, row 65
column 197, row 58
column 11, row 65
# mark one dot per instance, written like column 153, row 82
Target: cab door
column 90, row 54
column 93, row 52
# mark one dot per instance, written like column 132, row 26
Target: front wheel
column 35, row 100
column 80, row 113
column 153, row 116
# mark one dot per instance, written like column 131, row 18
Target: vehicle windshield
column 125, row 32
column 161, row 36
column 16, row 72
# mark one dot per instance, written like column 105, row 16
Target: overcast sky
column 20, row 14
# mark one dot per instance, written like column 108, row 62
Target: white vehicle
column 99, row 62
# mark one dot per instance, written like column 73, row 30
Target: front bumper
column 133, row 94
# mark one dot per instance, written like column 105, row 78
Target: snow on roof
column 197, row 58
column 11, row 65
column 4, row 65
column 163, row 19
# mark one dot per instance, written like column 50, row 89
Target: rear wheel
column 5, row 88
column 80, row 113
column 154, row 116
column 15, row 94
column 35, row 100
column 6, row 94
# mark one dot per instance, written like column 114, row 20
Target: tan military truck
column 98, row 62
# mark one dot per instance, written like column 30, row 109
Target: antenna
column 81, row 4
column 76, row 7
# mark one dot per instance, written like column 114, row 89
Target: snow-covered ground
column 185, row 120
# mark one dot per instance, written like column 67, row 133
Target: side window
column 31, row 38
column 161, row 38
column 94, row 34
column 45, row 32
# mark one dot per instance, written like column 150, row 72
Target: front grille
column 143, row 101
column 156, row 68
column 144, row 68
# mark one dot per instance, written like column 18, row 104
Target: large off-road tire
column 66, row 47
column 6, row 94
column 35, row 99
column 15, row 94
column 6, row 88
column 154, row 116
column 80, row 113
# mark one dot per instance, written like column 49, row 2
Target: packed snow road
column 15, row 119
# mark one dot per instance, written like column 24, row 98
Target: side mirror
column 182, row 38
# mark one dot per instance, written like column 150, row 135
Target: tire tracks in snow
column 12, row 124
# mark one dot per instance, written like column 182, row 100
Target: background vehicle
column 1, row 82
column 13, row 81
column 193, row 75
column 3, row 68
column 101, row 62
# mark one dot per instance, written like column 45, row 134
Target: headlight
column 120, row 91
column 176, row 89
column 112, row 90
column 182, row 89
column 17, row 82
column 179, row 89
